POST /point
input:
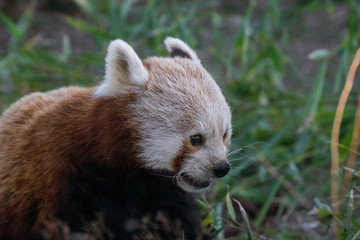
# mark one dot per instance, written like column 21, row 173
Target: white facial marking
column 182, row 101
column 175, row 99
column 158, row 149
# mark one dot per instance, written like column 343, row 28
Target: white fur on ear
column 177, row 48
column 123, row 68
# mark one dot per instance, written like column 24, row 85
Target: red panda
column 139, row 146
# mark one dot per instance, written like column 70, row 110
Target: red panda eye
column 225, row 135
column 196, row 140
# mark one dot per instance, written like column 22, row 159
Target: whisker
column 162, row 175
column 252, row 144
column 239, row 158
column 178, row 177
column 235, row 151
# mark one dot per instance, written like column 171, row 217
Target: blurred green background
column 281, row 64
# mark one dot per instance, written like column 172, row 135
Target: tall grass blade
column 219, row 222
column 246, row 220
column 125, row 9
column 243, row 42
column 86, row 27
column 316, row 93
column 66, row 48
column 341, row 71
column 335, row 141
column 356, row 235
column 269, row 199
column 17, row 30
column 350, row 209
column 352, row 154
column 230, row 207
column 11, row 26
column 288, row 186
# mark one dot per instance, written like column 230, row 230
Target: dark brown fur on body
column 71, row 129
column 93, row 173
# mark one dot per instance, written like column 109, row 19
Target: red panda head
column 182, row 116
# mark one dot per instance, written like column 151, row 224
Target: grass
column 282, row 117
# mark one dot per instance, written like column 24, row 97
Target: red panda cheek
column 178, row 161
column 183, row 154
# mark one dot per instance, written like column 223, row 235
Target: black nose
column 221, row 169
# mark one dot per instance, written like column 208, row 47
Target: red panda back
column 43, row 138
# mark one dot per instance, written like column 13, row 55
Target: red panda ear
column 123, row 68
column 177, row 48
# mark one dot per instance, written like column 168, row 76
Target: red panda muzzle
column 221, row 169
column 195, row 182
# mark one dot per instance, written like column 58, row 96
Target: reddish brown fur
column 70, row 126
column 183, row 154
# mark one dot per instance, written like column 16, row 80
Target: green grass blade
column 23, row 25
column 341, row 71
column 244, row 40
column 356, row 235
column 17, row 30
column 218, row 219
column 261, row 215
column 125, row 9
column 86, row 27
column 11, row 26
column 317, row 90
column 230, row 207
column 246, row 220
column 349, row 210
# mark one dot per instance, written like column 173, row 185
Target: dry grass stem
column 335, row 140
column 352, row 154
column 288, row 186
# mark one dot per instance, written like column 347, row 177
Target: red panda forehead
column 184, row 86
column 162, row 68
column 184, row 76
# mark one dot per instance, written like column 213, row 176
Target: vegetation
column 283, row 112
